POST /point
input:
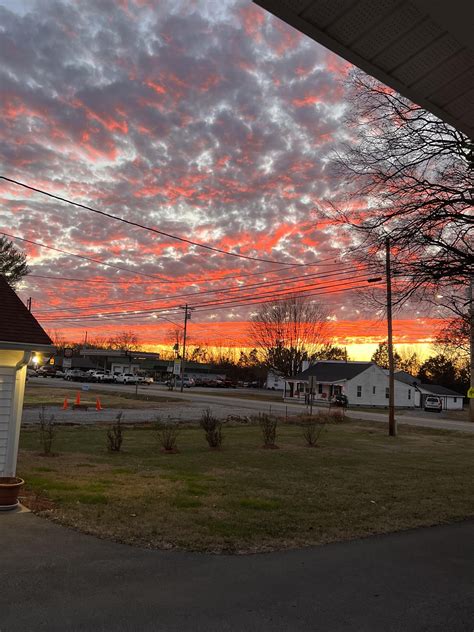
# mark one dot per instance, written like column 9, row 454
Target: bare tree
column 289, row 332
column 125, row 341
column 412, row 174
column 452, row 340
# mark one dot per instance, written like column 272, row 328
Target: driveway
column 57, row 580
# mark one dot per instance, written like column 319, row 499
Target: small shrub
column 212, row 427
column 312, row 429
column 167, row 435
column 268, row 425
column 338, row 415
column 114, row 435
column 47, row 432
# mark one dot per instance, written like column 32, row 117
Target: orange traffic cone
column 97, row 404
column 65, row 405
column 78, row 398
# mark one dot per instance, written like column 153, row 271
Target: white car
column 144, row 379
column 126, row 378
column 433, row 403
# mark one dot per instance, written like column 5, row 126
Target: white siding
column 7, row 383
column 376, row 379
column 447, row 400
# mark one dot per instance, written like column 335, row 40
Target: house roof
column 406, row 378
column 423, row 49
column 18, row 326
column 333, row 371
column 435, row 389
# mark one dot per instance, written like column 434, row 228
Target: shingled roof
column 17, row 324
column 436, row 389
column 333, row 371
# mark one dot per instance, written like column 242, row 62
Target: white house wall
column 449, row 402
column 12, row 386
column 375, row 378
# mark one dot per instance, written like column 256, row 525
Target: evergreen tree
column 380, row 357
column 13, row 264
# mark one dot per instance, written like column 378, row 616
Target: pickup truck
column 102, row 376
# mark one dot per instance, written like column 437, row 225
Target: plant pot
column 9, row 490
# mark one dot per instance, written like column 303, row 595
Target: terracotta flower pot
column 9, row 489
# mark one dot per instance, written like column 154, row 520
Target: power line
column 143, row 226
column 127, row 315
column 218, row 301
column 197, row 294
column 323, row 262
column 211, row 306
column 102, row 263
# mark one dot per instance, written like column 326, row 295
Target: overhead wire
column 234, row 289
column 143, row 226
column 227, row 304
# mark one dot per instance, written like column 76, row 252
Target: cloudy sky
column 209, row 120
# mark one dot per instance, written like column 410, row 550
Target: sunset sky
column 210, row 120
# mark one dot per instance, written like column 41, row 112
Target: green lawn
column 242, row 498
column 36, row 395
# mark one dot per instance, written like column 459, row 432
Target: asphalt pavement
column 193, row 401
column 57, row 580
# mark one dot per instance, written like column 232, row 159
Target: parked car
column 96, row 376
column 187, row 382
column 340, row 400
column 106, row 377
column 76, row 375
column 46, row 371
column 31, row 373
column 59, row 373
column 144, row 379
column 433, row 403
column 126, row 378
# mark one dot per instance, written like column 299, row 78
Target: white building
column 363, row 383
column 450, row 399
column 275, row 381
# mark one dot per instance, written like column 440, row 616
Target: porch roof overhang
column 295, row 379
column 421, row 48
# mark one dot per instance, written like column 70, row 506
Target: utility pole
column 187, row 316
column 392, row 424
column 471, row 338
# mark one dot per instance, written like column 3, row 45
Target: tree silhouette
column 13, row 264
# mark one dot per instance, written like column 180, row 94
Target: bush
column 114, row 435
column 338, row 415
column 312, row 429
column 47, row 432
column 167, row 435
column 268, row 425
column 212, row 428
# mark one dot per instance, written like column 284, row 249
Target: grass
column 36, row 395
column 245, row 499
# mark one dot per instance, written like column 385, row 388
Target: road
column 195, row 400
column 57, row 580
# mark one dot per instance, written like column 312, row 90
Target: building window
column 320, row 388
column 409, row 393
column 455, row 399
column 387, row 393
column 373, row 390
column 359, row 391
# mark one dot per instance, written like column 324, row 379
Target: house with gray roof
column 363, row 383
